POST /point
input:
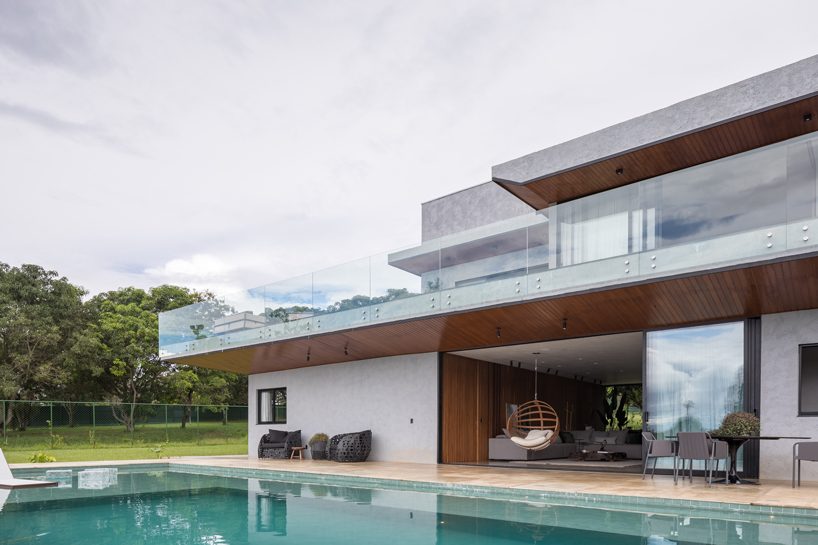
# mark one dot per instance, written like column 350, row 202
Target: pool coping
column 579, row 499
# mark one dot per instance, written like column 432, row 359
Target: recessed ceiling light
column 596, row 363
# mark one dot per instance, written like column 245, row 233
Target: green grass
column 114, row 443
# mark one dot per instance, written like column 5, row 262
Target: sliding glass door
column 694, row 376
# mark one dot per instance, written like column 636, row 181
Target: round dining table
column 735, row 442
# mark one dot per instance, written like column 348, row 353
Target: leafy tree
column 39, row 311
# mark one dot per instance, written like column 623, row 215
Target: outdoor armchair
column 350, row 447
column 278, row 444
column 699, row 446
column 656, row 448
column 802, row 452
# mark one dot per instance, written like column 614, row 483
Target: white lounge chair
column 8, row 482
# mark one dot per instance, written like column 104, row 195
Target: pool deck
column 768, row 493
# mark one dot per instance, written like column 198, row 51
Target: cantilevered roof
column 764, row 109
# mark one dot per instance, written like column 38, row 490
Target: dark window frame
column 801, row 348
column 273, row 412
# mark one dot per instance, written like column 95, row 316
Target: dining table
column 735, row 442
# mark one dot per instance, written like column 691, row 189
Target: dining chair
column 698, row 445
column 802, row 452
column 656, row 448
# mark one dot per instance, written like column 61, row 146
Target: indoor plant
column 318, row 444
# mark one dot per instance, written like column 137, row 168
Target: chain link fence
column 52, row 426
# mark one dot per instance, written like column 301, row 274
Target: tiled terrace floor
column 772, row 493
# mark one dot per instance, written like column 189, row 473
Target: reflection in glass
column 694, row 377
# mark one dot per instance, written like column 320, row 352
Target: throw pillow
column 276, row 436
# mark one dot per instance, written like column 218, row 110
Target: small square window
column 808, row 381
column 272, row 406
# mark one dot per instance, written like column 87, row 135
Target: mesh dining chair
column 656, row 448
column 802, row 452
column 698, row 445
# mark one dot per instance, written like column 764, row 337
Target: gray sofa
column 503, row 448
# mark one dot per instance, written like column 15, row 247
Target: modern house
column 673, row 256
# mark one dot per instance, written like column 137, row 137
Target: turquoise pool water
column 162, row 505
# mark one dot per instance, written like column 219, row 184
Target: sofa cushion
column 600, row 437
column 581, row 435
column 293, row 437
column 276, row 436
column 619, row 436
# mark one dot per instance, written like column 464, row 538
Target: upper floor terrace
column 759, row 206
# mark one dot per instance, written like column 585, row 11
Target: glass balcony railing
column 754, row 206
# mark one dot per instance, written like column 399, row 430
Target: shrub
column 740, row 424
column 318, row 438
column 41, row 458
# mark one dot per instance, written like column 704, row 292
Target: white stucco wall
column 780, row 336
column 381, row 394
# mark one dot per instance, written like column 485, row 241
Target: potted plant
column 739, row 424
column 318, row 445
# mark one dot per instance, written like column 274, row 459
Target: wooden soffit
column 734, row 293
column 708, row 144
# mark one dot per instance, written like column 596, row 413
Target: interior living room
column 594, row 384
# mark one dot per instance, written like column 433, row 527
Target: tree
column 40, row 312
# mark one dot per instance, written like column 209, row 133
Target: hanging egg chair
column 534, row 425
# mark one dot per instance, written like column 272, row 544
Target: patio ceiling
column 733, row 293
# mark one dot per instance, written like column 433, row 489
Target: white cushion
column 535, row 438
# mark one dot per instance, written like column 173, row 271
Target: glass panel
column 694, row 377
column 265, row 406
column 809, row 380
column 483, row 270
column 403, row 282
column 341, row 296
column 280, row 400
column 288, row 307
column 597, row 227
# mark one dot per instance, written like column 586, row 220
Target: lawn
column 86, row 443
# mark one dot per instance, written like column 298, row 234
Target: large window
column 272, row 406
column 808, row 381
column 695, row 376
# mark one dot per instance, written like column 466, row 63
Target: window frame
column 801, row 348
column 259, row 394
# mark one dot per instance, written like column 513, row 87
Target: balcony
column 754, row 207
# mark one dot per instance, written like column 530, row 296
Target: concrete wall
column 780, row 336
column 380, row 394
column 470, row 208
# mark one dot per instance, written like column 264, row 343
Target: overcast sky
column 230, row 144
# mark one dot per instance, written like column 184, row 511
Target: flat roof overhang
column 781, row 285
column 762, row 110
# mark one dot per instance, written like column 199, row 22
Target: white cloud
column 196, row 268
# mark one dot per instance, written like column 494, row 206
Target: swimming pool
column 174, row 504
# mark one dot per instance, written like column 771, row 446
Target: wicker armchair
column 350, row 447
column 278, row 444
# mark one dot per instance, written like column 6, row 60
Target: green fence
column 54, row 426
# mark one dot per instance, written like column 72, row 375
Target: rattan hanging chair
column 531, row 416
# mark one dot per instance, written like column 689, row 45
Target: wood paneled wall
column 474, row 395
